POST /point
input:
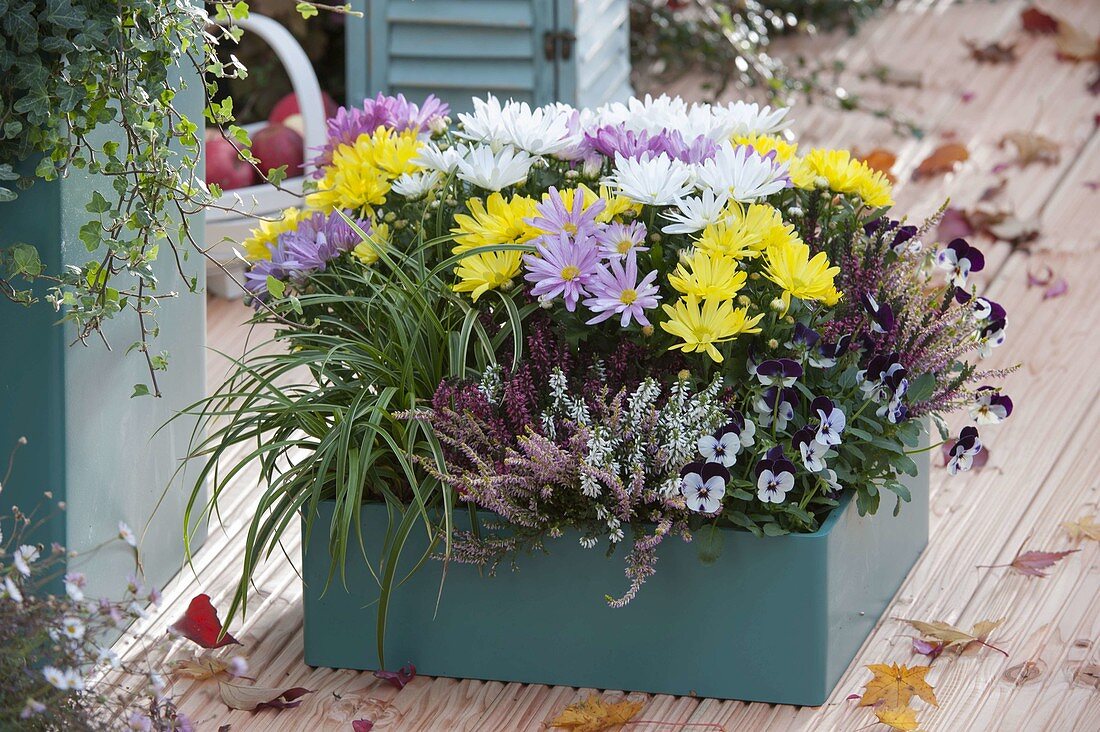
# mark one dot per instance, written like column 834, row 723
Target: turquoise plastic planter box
column 775, row 619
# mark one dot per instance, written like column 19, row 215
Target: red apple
column 277, row 145
column 288, row 105
column 223, row 166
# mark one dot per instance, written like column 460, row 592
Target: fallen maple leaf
column 1042, row 279
column 200, row 668
column 881, row 160
column 1035, row 20
column 594, row 714
column 894, row 686
column 1032, row 148
column 255, row 698
column 200, row 624
column 992, row 53
column 928, row 648
column 944, row 159
column 1012, row 230
column 953, row 637
column 1083, row 528
column 400, row 677
column 954, row 224
column 899, row 718
column 361, row 725
column 1033, row 563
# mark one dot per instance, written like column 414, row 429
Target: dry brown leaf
column 881, row 160
column 1033, row 563
column 1032, row 148
column 992, row 53
column 594, row 714
column 1016, row 232
column 894, row 686
column 1083, row 528
column 1075, row 44
column 944, row 159
column 254, row 698
column 899, row 718
column 200, row 668
column 953, row 637
column 1036, row 20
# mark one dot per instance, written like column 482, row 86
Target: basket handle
column 303, row 80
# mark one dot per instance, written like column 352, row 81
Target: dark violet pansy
column 778, row 403
column 721, row 447
column 778, row 372
column 882, row 315
column 742, row 427
column 990, row 406
column 896, row 236
column 804, row 338
column 963, row 451
column 831, row 420
column 703, row 485
column 774, row 476
column 959, row 259
column 812, row 451
column 828, row 353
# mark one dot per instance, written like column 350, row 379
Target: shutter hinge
column 557, row 44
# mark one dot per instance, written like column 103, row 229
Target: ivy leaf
column 140, row 390
column 200, row 624
column 1033, row 563
column 98, row 204
column 1083, row 528
column 952, row 637
column 306, row 10
column 894, row 686
column 275, row 286
column 594, row 714
column 25, row 261
column 255, row 698
column 899, row 718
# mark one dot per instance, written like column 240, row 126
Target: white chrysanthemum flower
column 74, row 679
column 74, row 586
column 107, row 657
column 696, row 213
column 742, row 174
column 416, row 185
column 485, row 123
column 72, row 628
column 493, row 171
column 24, row 557
column 744, row 118
column 430, row 157
column 126, row 534
column 539, row 131
column 656, row 181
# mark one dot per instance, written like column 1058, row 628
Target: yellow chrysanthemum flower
column 393, row 152
column 351, row 182
column 729, row 239
column 708, row 275
column 479, row 273
column 380, row 239
column 700, row 327
column 844, row 174
column 764, row 144
column 258, row 245
column 494, row 222
column 616, row 205
column 791, row 267
column 746, row 231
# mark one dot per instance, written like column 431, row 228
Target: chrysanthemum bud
column 400, row 224
column 571, row 175
column 777, row 305
column 773, row 344
column 683, row 375
column 685, row 257
column 390, row 217
column 795, row 211
column 744, row 300
column 655, row 236
column 647, row 330
column 821, row 182
column 438, row 125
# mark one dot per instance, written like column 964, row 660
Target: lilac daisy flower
column 703, row 485
column 397, row 113
column 617, row 239
column 554, row 218
column 812, row 451
column 774, row 476
column 616, row 291
column 780, row 371
column 963, row 451
column 562, row 267
column 831, row 420
column 960, row 259
column 990, row 406
column 318, row 240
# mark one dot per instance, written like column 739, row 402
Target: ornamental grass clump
column 618, row 326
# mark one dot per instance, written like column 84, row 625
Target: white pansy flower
column 772, row 487
column 655, row 181
column 416, row 185
column 696, row 213
column 494, row 171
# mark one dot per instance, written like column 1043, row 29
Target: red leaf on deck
column 1057, row 288
column 255, row 698
column 954, row 225
column 362, row 725
column 200, row 624
column 400, row 677
column 1035, row 20
column 928, row 648
column 1033, row 563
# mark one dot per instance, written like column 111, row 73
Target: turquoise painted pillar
column 87, row 441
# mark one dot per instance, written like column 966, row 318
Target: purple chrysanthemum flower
column 617, row 291
column 397, row 113
column 612, row 140
column 554, row 218
column 563, row 267
column 616, row 240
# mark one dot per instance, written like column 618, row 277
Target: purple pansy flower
column 743, row 427
column 831, row 420
column 990, row 406
column 803, row 338
column 774, row 476
column 616, row 291
column 703, row 485
column 900, row 237
column 778, row 371
column 778, row 403
column 963, row 451
column 827, row 354
column 960, row 259
column 882, row 316
column 812, row 451
column 563, row 267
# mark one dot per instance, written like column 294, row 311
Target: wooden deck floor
column 1044, row 466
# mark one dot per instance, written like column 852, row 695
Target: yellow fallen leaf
column 1083, row 528
column 900, row 718
column 894, row 686
column 594, row 714
column 200, row 668
column 951, row 636
column 1031, row 148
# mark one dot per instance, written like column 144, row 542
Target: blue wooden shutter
column 597, row 69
